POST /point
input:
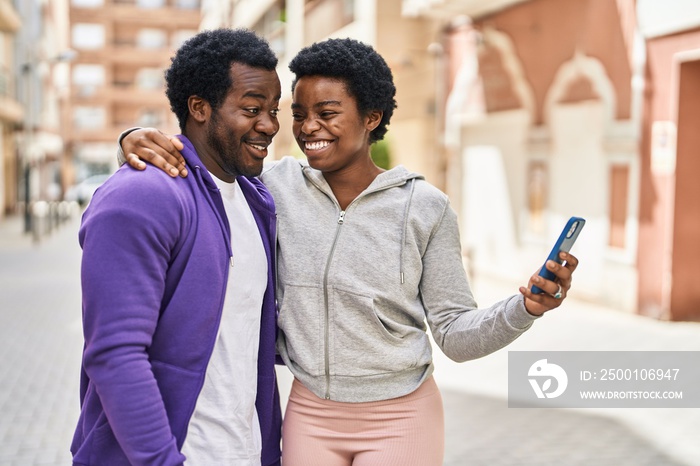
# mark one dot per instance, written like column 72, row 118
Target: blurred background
column 525, row 112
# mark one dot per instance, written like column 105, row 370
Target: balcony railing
column 167, row 14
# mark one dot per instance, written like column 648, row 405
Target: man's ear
column 374, row 117
column 200, row 110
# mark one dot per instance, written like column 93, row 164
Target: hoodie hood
column 193, row 160
column 397, row 176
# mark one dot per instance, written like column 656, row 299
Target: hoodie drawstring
column 405, row 228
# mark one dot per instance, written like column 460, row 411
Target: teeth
column 316, row 145
column 258, row 147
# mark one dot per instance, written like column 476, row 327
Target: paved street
column 40, row 343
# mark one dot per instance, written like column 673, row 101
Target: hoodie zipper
column 326, row 330
column 340, row 222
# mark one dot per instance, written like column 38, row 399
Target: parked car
column 83, row 191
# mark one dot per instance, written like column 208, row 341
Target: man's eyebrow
column 256, row 95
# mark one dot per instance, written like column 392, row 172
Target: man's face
column 242, row 128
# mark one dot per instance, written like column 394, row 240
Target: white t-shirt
column 224, row 428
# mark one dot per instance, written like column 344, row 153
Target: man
column 178, row 293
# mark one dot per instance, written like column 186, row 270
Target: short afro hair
column 365, row 73
column 202, row 66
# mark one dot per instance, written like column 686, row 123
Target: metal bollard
column 63, row 211
column 55, row 215
column 40, row 212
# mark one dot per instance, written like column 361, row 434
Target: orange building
column 117, row 77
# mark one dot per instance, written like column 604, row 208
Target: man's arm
column 157, row 148
column 126, row 250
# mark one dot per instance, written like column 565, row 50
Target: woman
column 366, row 257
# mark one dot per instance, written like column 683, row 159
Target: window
column 187, row 4
column 87, row 36
column 150, row 79
column 272, row 26
column 88, row 75
column 150, row 3
column 95, row 158
column 87, row 79
column 89, row 117
column 151, row 39
column 151, row 117
column 619, row 182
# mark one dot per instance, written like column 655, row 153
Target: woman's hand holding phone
column 548, row 287
column 539, row 303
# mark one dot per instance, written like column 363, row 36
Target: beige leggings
column 405, row 431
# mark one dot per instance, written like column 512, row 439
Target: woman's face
column 327, row 124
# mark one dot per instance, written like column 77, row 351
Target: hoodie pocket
column 103, row 446
column 301, row 322
column 360, row 341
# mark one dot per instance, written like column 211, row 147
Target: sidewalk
column 12, row 234
column 41, row 341
column 483, row 430
column 13, row 237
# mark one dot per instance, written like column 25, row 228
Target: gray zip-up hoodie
column 355, row 287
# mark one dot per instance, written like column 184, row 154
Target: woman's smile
column 315, row 145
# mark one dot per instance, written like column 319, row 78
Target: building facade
column 43, row 57
column 578, row 107
column 11, row 110
column 542, row 123
column 669, row 216
column 117, row 81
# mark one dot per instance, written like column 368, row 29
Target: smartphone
column 564, row 243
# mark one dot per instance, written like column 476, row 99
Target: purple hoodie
column 156, row 255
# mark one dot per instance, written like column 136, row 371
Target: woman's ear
column 200, row 110
column 374, row 117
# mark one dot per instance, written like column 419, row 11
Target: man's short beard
column 219, row 147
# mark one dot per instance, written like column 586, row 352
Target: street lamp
column 27, row 69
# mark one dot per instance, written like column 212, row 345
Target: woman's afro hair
column 202, row 66
column 365, row 73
